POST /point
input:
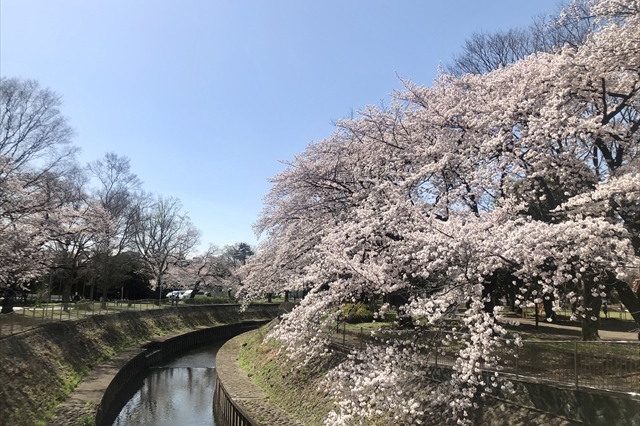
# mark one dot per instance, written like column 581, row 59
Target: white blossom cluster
column 531, row 169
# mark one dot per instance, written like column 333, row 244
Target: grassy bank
column 294, row 390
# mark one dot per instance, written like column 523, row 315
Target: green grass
column 294, row 390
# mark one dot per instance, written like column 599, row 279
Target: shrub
column 356, row 313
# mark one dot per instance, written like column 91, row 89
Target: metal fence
column 604, row 365
column 27, row 317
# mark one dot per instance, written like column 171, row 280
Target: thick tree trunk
column 547, row 302
column 66, row 294
column 590, row 328
column 629, row 298
column 194, row 290
column 7, row 301
column 269, row 297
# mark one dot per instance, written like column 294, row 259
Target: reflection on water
column 178, row 393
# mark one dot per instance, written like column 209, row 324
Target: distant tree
column 235, row 256
column 484, row 52
column 164, row 235
column 238, row 253
column 117, row 192
column 203, row 270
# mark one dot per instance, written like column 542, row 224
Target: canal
column 179, row 392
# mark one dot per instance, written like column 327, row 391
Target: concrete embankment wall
column 116, row 395
column 39, row 368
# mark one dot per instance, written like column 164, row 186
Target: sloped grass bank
column 536, row 404
column 292, row 389
column 41, row 367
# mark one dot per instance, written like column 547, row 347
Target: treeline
column 88, row 228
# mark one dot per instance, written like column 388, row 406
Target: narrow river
column 177, row 393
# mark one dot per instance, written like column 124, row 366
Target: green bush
column 356, row 313
column 204, row 300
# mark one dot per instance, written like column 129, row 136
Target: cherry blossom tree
column 204, row 270
column 528, row 172
column 76, row 229
column 34, row 152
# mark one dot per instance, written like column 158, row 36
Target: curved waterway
column 177, row 393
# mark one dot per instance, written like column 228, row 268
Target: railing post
column 344, row 331
column 575, row 362
column 436, row 344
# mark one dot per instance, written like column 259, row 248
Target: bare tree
column 484, row 52
column 33, row 128
column 118, row 192
column 164, row 235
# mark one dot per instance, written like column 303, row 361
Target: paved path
column 84, row 400
column 575, row 331
column 243, row 391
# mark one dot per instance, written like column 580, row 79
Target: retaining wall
column 155, row 353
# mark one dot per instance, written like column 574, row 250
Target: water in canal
column 177, row 393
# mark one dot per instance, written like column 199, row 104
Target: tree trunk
column 269, row 297
column 286, row 296
column 592, row 307
column 66, row 294
column 103, row 296
column 195, row 289
column 7, row 302
column 629, row 298
column 547, row 302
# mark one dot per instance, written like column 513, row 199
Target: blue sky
column 206, row 96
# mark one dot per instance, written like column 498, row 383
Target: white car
column 177, row 294
column 187, row 294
